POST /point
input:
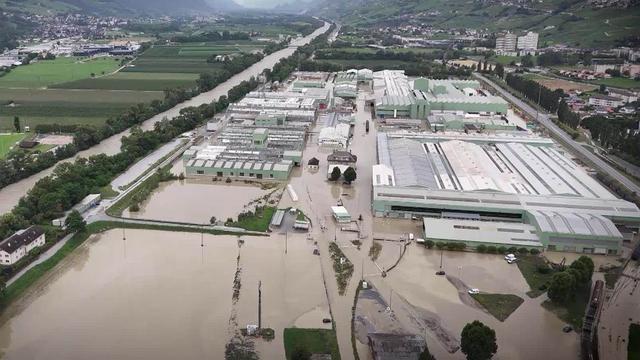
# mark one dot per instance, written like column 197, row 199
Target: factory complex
column 396, row 96
column 511, row 190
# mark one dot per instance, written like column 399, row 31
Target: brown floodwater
column 531, row 332
column 193, row 201
column 160, row 295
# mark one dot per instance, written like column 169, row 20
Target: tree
column 478, row 341
column 213, row 220
column 75, row 222
column 561, row 287
column 16, row 123
column 603, row 88
column 527, row 61
column 350, row 174
column 499, row 70
column 335, row 174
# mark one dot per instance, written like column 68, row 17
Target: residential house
column 16, row 246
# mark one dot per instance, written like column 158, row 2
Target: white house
column 16, row 246
column 604, row 100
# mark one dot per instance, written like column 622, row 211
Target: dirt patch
column 565, row 85
column 373, row 314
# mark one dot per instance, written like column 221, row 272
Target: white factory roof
column 382, row 175
column 492, row 232
column 498, row 201
column 574, row 223
column 503, row 167
column 499, row 137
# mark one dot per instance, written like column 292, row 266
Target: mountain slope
column 569, row 21
column 108, row 7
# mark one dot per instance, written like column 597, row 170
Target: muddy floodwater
column 531, row 332
column 160, row 295
column 193, row 201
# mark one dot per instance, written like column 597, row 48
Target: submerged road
column 10, row 195
column 565, row 139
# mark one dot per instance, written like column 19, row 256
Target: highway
column 572, row 145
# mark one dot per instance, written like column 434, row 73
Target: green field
column 537, row 281
column 619, row 82
column 499, row 305
column 47, row 72
column 315, row 341
column 186, row 58
column 8, row 140
column 144, row 81
column 62, row 106
column 368, row 50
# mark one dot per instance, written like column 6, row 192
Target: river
column 10, row 195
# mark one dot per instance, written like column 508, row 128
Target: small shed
column 313, row 163
column 341, row 214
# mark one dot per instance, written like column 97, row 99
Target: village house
column 16, row 246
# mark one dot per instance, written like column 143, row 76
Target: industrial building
column 346, row 84
column 309, row 79
column 474, row 180
column 457, row 121
column 397, row 97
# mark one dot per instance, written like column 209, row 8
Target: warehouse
column 397, row 97
column 456, row 121
column 240, row 169
column 524, row 182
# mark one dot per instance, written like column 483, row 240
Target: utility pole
column 538, row 107
column 259, row 304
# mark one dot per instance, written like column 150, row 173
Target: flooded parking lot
column 195, row 201
column 162, row 295
column 519, row 336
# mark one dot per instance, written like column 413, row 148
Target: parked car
column 510, row 258
column 473, row 291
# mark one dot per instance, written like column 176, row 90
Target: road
column 574, row 146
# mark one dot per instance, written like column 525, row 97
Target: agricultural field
column 371, row 64
column 62, row 106
column 48, row 72
column 186, row 58
column 8, row 140
column 142, row 81
column 566, row 85
column 368, row 50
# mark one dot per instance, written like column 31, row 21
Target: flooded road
column 160, row 295
column 194, row 201
column 10, row 195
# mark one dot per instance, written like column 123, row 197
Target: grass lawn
column 528, row 266
column 499, row 305
column 8, row 140
column 633, row 347
column 47, row 72
column 619, row 82
column 573, row 312
column 258, row 222
column 107, row 192
column 315, row 341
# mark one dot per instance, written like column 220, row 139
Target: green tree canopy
column 478, row 341
column 335, row 174
column 75, row 222
column 561, row 287
column 350, row 174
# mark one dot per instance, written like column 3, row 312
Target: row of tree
column 20, row 164
column 211, row 36
column 71, row 182
column 617, row 134
column 535, row 92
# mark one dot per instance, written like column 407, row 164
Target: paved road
column 558, row 133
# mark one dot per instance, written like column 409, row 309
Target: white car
column 510, row 257
column 473, row 291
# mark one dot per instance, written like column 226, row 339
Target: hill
column 110, row 7
column 574, row 22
